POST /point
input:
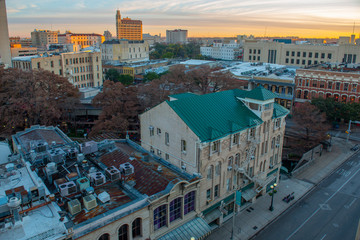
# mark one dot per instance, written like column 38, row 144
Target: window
column 237, row 159
column 235, row 139
column 166, row 156
column 210, row 172
column 216, row 191
column 208, row 194
column 292, row 61
column 166, row 138
column 298, row 54
column 228, row 184
column 151, row 128
column 215, row 146
column 287, row 53
column 322, row 84
column 314, row 83
column 183, row 146
column 266, row 146
column 259, row 51
column 160, row 216
column 346, row 86
column 105, row 236
column 304, row 54
column 158, row 152
column 297, row 61
column 292, row 53
column 175, row 209
column 303, row 62
column 286, row 60
column 309, row 62
column 329, row 55
column 250, row 50
column 217, row 169
column 337, row 86
column 252, row 132
column 66, row 61
column 123, row 232
column 230, row 161
column 354, row 87
column 310, row 54
column 322, row 55
column 329, row 85
column 278, row 123
column 316, row 55
column 273, row 143
column 38, row 65
column 189, row 202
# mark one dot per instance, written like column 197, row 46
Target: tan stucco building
column 83, row 69
column 83, row 39
column 300, row 55
column 124, row 50
column 41, row 38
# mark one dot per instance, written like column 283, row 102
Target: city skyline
column 201, row 18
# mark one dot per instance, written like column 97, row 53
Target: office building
column 223, row 51
column 121, row 50
column 176, row 36
column 83, row 39
column 5, row 54
column 127, row 28
column 41, row 38
column 82, row 69
column 302, row 54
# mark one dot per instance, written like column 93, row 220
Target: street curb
column 302, row 197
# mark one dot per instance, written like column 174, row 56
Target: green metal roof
column 215, row 115
column 183, row 95
column 259, row 93
column 279, row 111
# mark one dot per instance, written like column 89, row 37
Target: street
column 330, row 211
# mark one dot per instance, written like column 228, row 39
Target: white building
column 229, row 51
column 176, row 36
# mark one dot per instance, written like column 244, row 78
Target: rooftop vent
column 74, row 206
column 67, row 189
column 126, row 168
column 97, row 178
column 89, row 202
column 112, row 173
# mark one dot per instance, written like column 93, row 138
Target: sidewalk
column 257, row 216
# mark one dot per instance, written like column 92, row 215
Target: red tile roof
column 148, row 179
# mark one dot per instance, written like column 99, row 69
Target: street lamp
column 272, row 193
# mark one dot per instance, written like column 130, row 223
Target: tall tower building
column 5, row 54
column 127, row 28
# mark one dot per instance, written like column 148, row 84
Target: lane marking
column 323, row 237
column 317, row 210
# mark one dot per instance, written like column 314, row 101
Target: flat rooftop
column 84, row 183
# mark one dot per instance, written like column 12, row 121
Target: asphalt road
column 330, row 211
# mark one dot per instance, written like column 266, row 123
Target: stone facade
column 125, row 51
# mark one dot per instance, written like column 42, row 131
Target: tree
column 112, row 75
column 151, row 76
column 120, row 108
column 126, row 79
column 311, row 124
column 36, row 97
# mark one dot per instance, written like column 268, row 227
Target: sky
column 202, row 18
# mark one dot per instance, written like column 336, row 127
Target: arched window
column 136, row 228
column 264, row 166
column 230, row 161
column 218, row 169
column 237, row 159
column 210, row 172
column 123, row 232
column 273, row 143
column 189, row 202
column 160, row 216
column 175, row 209
column 260, row 167
column 105, row 236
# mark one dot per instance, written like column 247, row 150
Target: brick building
column 343, row 86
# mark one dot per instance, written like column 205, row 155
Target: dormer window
column 252, row 132
column 235, row 139
column 254, row 106
column 277, row 123
column 215, row 147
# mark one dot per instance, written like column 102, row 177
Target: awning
column 211, row 216
column 284, row 169
column 248, row 194
column 196, row 228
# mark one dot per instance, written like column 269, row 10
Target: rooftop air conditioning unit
column 41, row 147
column 83, row 183
column 72, row 153
column 112, row 173
column 126, row 168
column 97, row 178
column 57, row 155
column 89, row 202
column 67, row 189
column 104, row 197
column 74, row 206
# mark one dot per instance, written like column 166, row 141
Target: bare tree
column 36, row 97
